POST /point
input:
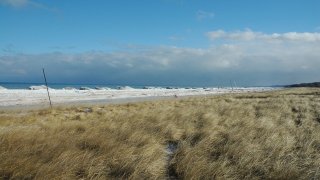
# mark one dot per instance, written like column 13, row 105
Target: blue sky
column 160, row 42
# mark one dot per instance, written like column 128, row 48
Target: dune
column 265, row 135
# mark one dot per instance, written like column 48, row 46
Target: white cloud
column 204, row 15
column 253, row 61
column 249, row 35
column 15, row 3
column 27, row 3
column 247, row 63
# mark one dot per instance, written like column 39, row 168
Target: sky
column 160, row 42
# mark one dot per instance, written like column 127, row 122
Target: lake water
column 10, row 85
column 13, row 85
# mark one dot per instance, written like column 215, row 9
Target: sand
column 27, row 98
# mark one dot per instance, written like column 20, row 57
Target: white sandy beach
column 22, row 97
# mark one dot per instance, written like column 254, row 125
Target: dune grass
column 271, row 135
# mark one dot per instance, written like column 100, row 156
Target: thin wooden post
column 231, row 85
column 235, row 84
column 45, row 79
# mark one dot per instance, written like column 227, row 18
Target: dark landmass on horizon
column 313, row 84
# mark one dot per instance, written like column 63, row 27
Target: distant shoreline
column 314, row 84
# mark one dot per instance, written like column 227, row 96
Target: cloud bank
column 249, row 64
column 249, row 35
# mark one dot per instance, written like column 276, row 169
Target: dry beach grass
column 270, row 135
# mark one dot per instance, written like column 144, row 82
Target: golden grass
column 272, row 135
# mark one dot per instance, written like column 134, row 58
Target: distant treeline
column 314, row 84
